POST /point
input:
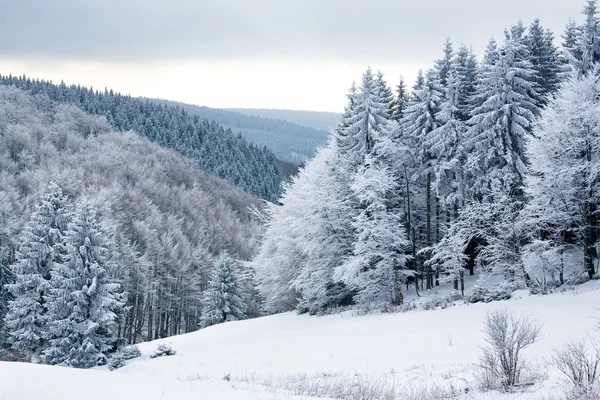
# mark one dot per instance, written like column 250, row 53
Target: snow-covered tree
column 565, row 169
column 400, row 101
column 464, row 70
column 443, row 66
column 43, row 248
column 500, row 126
column 85, row 301
column 543, row 56
column 583, row 43
column 223, row 299
column 377, row 268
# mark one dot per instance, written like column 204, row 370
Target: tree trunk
column 428, row 272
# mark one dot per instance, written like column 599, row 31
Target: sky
column 290, row 54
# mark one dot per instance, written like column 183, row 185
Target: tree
column 85, row 302
column 563, row 181
column 443, row 66
column 543, row 56
column 419, row 122
column 464, row 71
column 584, row 52
column 43, row 247
column 377, row 267
column 223, row 300
column 499, row 127
column 400, row 101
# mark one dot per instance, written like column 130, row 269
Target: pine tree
column 419, row 122
column 465, row 70
column 400, row 101
column 223, row 300
column 85, row 301
column 543, row 56
column 443, row 66
column 498, row 129
column 43, row 247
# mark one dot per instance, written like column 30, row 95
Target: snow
column 415, row 347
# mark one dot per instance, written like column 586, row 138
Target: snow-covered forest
column 150, row 221
column 125, row 220
column 487, row 166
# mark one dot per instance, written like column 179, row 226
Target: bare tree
column 579, row 360
column 507, row 335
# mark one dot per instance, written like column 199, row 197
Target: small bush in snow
column 484, row 294
column 579, row 361
column 163, row 350
column 126, row 353
column 507, row 335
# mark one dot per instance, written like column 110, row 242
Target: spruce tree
column 43, row 248
column 443, row 66
column 543, row 56
column 464, row 71
column 400, row 101
column 498, row 129
column 223, row 299
column 85, row 300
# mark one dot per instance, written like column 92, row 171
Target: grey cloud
column 133, row 30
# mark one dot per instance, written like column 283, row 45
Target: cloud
column 134, row 30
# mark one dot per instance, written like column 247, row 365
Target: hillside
column 215, row 149
column 409, row 356
column 167, row 219
column 321, row 120
column 291, row 141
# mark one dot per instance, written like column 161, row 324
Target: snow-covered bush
column 579, row 360
column 126, row 353
column 163, row 350
column 506, row 334
column 442, row 302
column 483, row 294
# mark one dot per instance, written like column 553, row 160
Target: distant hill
column 321, row 120
column 289, row 141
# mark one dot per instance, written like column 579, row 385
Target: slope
column 215, row 149
column 290, row 141
column 322, row 120
column 414, row 355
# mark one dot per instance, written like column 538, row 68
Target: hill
column 167, row 218
column 216, row 150
column 322, row 120
column 413, row 355
column 290, row 141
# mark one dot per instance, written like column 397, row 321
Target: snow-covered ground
column 410, row 351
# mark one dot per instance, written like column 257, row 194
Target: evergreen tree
column 43, row 247
column 85, row 301
column 498, row 129
column 419, row 122
column 543, row 56
column 223, row 300
column 464, row 71
column 443, row 66
column 400, row 101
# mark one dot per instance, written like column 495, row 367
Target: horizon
column 263, row 55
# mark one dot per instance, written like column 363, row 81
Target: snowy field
column 426, row 352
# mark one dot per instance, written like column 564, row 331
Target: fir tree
column 400, row 101
column 464, row 71
column 443, row 66
column 223, row 300
column 543, row 56
column 85, row 301
column 500, row 125
column 43, row 247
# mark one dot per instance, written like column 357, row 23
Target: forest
column 486, row 167
column 125, row 220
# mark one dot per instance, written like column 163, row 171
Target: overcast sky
column 294, row 54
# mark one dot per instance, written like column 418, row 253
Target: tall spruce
column 86, row 301
column 400, row 101
column 500, row 126
column 543, row 56
column 43, row 248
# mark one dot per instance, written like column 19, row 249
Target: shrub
column 163, row 350
column 579, row 361
column 126, row 353
column 506, row 335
